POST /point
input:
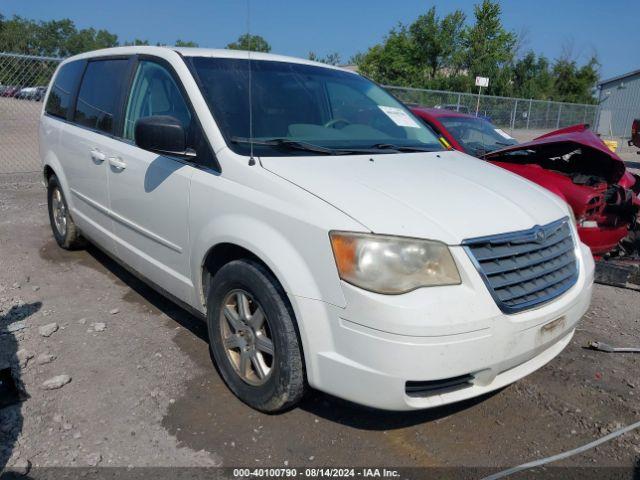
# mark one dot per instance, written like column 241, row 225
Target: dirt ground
column 143, row 390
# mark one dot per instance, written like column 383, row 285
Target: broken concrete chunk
column 114, row 311
column 13, row 327
column 93, row 459
column 99, row 327
column 56, row 382
column 45, row 358
column 24, row 356
column 48, row 329
column 20, row 467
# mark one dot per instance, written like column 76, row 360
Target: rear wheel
column 64, row 229
column 253, row 338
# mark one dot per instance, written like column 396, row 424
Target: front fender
column 288, row 264
column 275, row 249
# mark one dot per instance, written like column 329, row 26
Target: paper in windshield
column 399, row 117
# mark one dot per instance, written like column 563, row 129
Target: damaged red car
column 572, row 162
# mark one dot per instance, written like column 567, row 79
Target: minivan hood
column 446, row 196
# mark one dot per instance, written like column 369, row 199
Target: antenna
column 252, row 160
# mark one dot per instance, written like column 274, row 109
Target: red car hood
column 598, row 159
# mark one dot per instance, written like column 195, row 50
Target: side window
column 154, row 92
column 100, row 93
column 62, row 89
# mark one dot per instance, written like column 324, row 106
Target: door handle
column 97, row 155
column 117, row 163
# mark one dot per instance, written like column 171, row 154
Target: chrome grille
column 527, row 268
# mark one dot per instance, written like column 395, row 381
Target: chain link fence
column 505, row 112
column 23, row 83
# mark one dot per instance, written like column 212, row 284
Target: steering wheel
column 332, row 123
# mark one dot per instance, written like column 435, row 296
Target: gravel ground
column 19, row 139
column 143, row 390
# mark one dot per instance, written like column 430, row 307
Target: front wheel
column 253, row 337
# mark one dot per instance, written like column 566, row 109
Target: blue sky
column 347, row 26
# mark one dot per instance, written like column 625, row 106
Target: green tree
column 435, row 42
column 19, row 35
column 532, row 77
column 391, row 62
column 489, row 48
column 330, row 59
column 254, row 43
column 58, row 38
column 573, row 83
column 88, row 39
column 186, row 43
column 356, row 59
column 136, row 42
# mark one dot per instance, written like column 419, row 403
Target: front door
column 149, row 193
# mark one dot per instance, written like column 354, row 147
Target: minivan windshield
column 300, row 109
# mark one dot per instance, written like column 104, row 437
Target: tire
column 282, row 384
column 64, row 229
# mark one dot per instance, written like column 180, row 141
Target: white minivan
column 326, row 236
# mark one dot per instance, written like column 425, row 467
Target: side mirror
column 163, row 135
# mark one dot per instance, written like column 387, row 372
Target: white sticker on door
column 399, row 117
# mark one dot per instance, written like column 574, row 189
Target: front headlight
column 392, row 265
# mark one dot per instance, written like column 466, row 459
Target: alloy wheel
column 59, row 211
column 246, row 337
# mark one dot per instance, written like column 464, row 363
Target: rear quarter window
column 99, row 97
column 63, row 88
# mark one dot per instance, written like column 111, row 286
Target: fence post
column 529, row 113
column 559, row 113
column 546, row 115
column 513, row 116
column 458, row 106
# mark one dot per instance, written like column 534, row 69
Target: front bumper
column 368, row 351
column 602, row 240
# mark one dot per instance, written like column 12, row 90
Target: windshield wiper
column 290, row 144
column 400, row 148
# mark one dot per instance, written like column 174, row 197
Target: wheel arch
column 217, row 257
column 233, row 236
column 51, row 166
